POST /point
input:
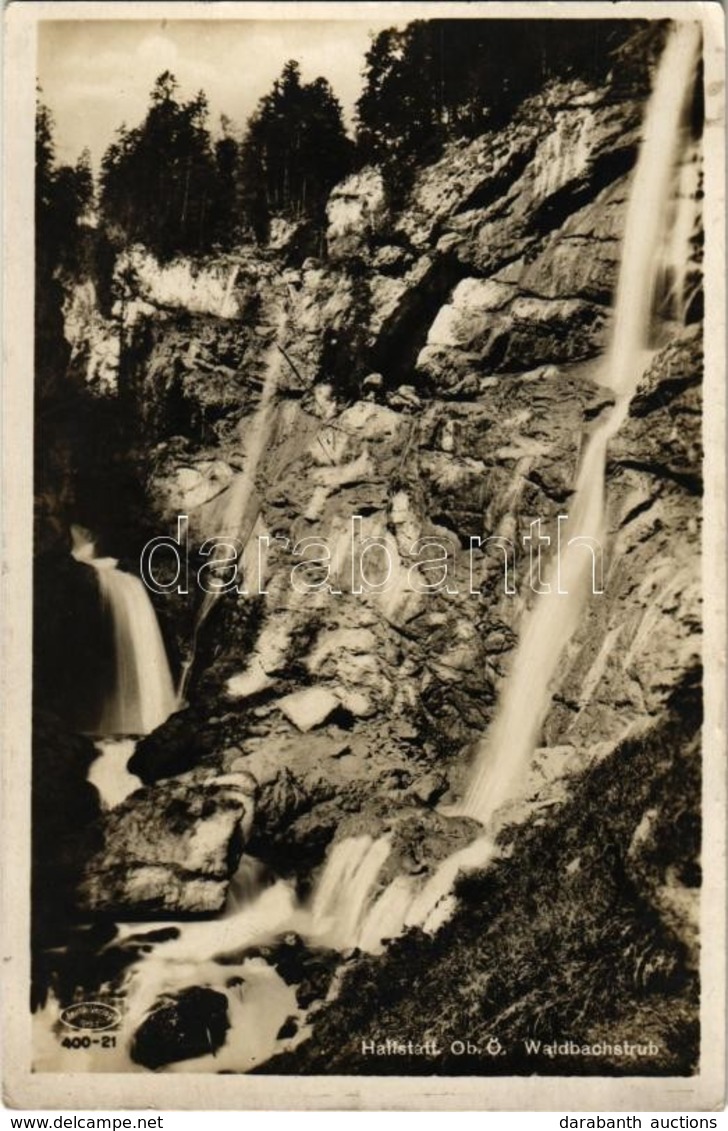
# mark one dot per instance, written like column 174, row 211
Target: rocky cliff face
column 439, row 374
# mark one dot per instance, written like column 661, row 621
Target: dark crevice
column 663, row 395
column 487, row 192
column 635, row 512
column 692, row 483
column 400, row 340
column 557, row 495
column 558, row 207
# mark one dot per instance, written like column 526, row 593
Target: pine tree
column 294, row 150
column 85, row 190
column 444, row 78
column 162, row 183
column 62, row 194
column 225, row 208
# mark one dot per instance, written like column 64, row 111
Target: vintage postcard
column 364, row 488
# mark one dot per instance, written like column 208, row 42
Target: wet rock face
column 415, row 650
column 309, row 970
column 663, row 435
column 445, row 369
column 538, row 235
column 558, row 153
column 181, row 1026
column 171, row 848
column 213, row 288
column 641, row 636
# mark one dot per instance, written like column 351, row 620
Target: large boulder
column 581, row 258
column 170, row 849
column 180, row 1026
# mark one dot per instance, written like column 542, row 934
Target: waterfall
column 142, row 695
column 232, row 278
column 647, row 234
column 344, row 891
column 347, row 912
column 677, row 255
column 504, row 753
column 241, row 502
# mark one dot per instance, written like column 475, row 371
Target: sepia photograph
column 365, row 613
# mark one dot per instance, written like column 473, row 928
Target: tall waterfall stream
column 348, row 907
column 504, row 752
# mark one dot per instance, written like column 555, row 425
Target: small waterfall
column 678, row 251
column 344, row 891
column 240, row 510
column 232, row 278
column 346, row 912
column 648, row 229
column 143, row 695
column 503, row 755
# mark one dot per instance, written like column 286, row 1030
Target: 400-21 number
column 106, row 1042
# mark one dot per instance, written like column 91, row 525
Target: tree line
column 171, row 185
column 63, row 193
column 441, row 79
column 168, row 184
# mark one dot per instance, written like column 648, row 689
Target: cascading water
column 142, row 695
column 680, row 288
column 503, row 755
column 232, row 278
column 240, row 509
column 344, row 890
column 345, row 912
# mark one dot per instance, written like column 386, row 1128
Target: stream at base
column 349, row 912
